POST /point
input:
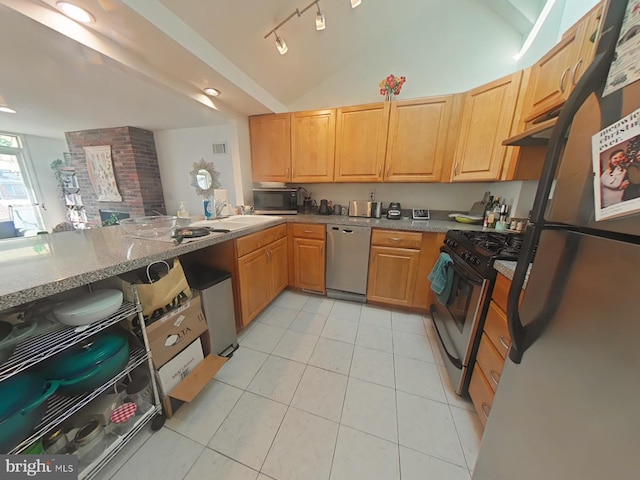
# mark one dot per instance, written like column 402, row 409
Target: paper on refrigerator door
column 616, row 167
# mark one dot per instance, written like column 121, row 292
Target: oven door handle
column 468, row 276
column 454, row 360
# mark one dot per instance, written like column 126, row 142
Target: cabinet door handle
column 308, row 231
column 269, row 256
column 564, row 75
column 287, row 174
column 293, row 172
column 388, row 169
column 505, row 342
column 574, row 71
column 493, row 376
column 485, row 410
column 396, row 239
column 455, row 169
column 380, row 170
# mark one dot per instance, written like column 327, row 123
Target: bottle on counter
column 487, row 212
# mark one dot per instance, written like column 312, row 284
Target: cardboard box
column 176, row 369
column 169, row 335
column 195, row 381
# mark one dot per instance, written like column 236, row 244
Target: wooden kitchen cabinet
column 313, row 136
column 416, row 140
column 487, row 118
column 262, row 270
column 307, row 245
column 393, row 265
column 271, row 147
column 423, row 296
column 557, row 72
column 492, row 352
column 361, row 140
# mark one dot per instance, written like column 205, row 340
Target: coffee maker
column 395, row 211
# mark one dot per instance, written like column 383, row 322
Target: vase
column 389, row 97
column 207, row 209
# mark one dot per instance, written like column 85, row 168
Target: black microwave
column 275, row 201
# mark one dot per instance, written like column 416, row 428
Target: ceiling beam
column 172, row 26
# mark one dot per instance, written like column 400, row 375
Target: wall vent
column 219, row 148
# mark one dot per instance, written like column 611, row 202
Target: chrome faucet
column 218, row 205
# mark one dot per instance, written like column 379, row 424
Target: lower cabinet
column 493, row 350
column 393, row 266
column 262, row 272
column 308, row 250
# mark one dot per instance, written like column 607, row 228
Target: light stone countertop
column 40, row 266
column 508, row 269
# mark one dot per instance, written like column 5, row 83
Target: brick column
column 135, row 166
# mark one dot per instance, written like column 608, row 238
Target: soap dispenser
column 182, row 211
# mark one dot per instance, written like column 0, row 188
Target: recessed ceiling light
column 7, row 109
column 211, row 91
column 75, row 12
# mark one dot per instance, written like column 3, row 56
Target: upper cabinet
column 487, row 116
column 361, row 140
column 271, row 147
column 416, row 140
column 313, row 136
column 556, row 73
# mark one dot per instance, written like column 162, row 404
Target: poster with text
column 616, row 167
column 625, row 68
column 101, row 173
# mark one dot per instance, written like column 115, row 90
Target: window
column 18, row 202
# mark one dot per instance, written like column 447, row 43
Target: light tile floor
column 319, row 389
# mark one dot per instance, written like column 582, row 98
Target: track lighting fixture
column 355, row 3
column 320, row 23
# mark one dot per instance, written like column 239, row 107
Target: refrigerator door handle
column 522, row 337
column 593, row 79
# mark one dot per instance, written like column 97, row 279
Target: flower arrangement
column 391, row 86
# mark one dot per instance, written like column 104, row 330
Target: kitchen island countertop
column 40, row 266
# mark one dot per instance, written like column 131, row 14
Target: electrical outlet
column 372, row 194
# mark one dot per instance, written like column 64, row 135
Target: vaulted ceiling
column 144, row 62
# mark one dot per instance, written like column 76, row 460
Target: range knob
column 451, row 243
column 476, row 260
column 466, row 255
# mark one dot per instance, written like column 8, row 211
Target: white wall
column 574, row 10
column 484, row 51
column 177, row 150
column 42, row 151
column 457, row 197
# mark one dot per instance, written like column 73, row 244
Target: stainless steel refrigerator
column 568, row 402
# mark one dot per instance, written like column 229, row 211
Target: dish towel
column 441, row 277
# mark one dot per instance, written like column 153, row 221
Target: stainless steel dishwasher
column 347, row 261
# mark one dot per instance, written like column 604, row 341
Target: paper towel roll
column 220, row 196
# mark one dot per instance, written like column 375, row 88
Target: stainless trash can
column 216, row 295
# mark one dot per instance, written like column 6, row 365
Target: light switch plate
column 420, row 214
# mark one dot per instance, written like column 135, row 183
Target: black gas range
column 459, row 316
column 479, row 249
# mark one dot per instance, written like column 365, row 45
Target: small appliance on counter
column 275, row 201
column 324, row 207
column 363, row 208
column 395, row 211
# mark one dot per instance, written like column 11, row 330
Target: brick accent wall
column 135, row 166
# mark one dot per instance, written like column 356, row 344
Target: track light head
column 355, row 3
column 281, row 45
column 320, row 24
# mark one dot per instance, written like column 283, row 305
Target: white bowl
column 89, row 308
